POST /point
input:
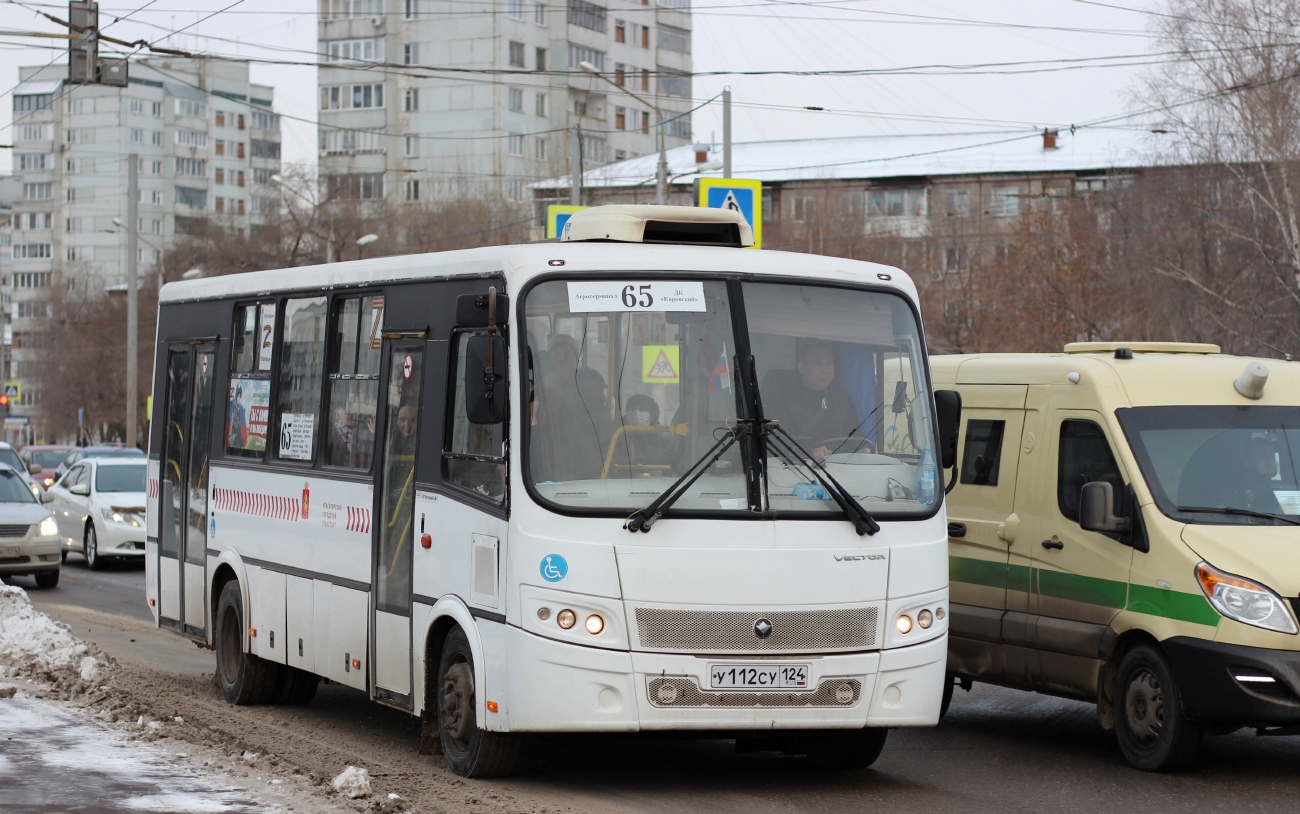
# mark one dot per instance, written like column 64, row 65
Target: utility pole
column 575, row 166
column 132, row 295
column 726, row 133
column 661, row 175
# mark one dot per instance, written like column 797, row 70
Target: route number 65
column 638, row 297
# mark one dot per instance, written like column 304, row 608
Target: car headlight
column 1245, row 601
column 121, row 517
column 47, row 528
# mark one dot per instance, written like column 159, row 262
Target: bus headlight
column 47, row 528
column 1245, row 601
column 595, row 624
column 904, row 624
column 566, row 618
column 925, row 619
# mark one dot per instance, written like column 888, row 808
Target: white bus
column 639, row 479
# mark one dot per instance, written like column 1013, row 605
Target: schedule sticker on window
column 636, row 295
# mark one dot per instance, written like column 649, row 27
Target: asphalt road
column 998, row 750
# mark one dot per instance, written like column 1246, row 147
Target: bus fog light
column 543, row 613
column 595, row 624
column 667, row 693
column 904, row 624
column 925, row 619
column 844, row 693
column 566, row 618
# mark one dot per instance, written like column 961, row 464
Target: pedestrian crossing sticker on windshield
column 660, row 364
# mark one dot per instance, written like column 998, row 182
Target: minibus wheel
column 470, row 750
column 844, row 749
column 1152, row 730
column 244, row 678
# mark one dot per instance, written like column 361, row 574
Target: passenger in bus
column 351, row 439
column 574, row 426
column 809, row 403
column 646, row 449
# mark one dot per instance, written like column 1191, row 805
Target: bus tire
column 949, row 685
column 1153, row 732
column 845, row 749
column 470, row 750
column 244, row 679
column 295, row 687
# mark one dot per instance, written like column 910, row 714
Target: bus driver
column 811, row 407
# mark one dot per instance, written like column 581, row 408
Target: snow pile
column 29, row 638
column 353, row 782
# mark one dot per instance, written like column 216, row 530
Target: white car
column 29, row 537
column 99, row 507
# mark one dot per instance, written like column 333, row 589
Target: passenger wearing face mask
column 646, row 448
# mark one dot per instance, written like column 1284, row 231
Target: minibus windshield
column 633, row 380
column 1218, row 464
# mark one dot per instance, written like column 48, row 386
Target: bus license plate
column 758, row 676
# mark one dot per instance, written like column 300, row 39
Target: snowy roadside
column 74, row 741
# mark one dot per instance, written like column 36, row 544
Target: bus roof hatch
column 690, row 225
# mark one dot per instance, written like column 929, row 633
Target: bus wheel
column 1153, row 733
column 295, row 687
column 470, row 750
column 843, row 749
column 244, row 678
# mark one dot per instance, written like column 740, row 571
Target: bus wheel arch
column 469, row 749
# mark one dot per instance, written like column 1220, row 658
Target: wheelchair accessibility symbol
column 554, row 568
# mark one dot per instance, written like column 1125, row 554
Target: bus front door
column 183, row 489
column 394, row 533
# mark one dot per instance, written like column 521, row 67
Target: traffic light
column 4, row 405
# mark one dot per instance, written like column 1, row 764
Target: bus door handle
column 1056, row 544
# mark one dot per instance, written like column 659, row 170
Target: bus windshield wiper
column 643, row 519
column 1235, row 510
column 778, row 438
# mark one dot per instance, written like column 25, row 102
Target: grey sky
column 736, row 35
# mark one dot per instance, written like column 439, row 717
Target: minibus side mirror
column 947, row 408
column 485, row 379
column 1097, row 509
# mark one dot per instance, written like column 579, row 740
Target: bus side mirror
column 1097, row 509
column 947, row 409
column 485, row 384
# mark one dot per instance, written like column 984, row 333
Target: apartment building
column 207, row 144
column 435, row 99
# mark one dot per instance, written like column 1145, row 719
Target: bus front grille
column 684, row 692
column 811, row 631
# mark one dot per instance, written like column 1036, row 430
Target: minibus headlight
column 566, row 618
column 904, row 624
column 925, row 619
column 595, row 624
column 1244, row 601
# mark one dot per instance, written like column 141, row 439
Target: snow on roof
column 37, row 87
column 890, row 157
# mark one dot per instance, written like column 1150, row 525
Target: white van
column 1123, row 529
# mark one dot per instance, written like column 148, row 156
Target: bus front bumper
column 558, row 687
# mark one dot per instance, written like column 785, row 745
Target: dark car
column 94, row 452
column 47, row 457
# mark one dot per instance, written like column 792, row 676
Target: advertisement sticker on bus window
column 640, row 295
column 246, row 414
column 265, row 336
column 376, row 322
column 297, row 431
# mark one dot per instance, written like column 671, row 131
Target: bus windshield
column 634, row 380
column 1195, row 458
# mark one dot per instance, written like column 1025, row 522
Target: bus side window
column 353, row 376
column 474, row 455
column 301, row 368
column 248, row 401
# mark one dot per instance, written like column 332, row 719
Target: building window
column 593, row 149
column 370, row 49
column 33, row 102
column 72, row 195
column 954, row 259
column 539, row 13
column 265, row 120
column 31, row 251
column 342, row 142
column 956, row 203
column 645, row 122
column 220, row 118
column 195, row 167
column 34, row 220
column 239, row 149
column 34, row 132
column 579, row 54
column 335, row 9
column 679, row 126
column 587, row 15
column 136, row 106
column 681, row 5
column 261, row 148
column 672, row 38
column 363, row 186
column 803, row 208
column 620, row 118
column 541, row 59
column 240, row 121
column 239, row 206
column 411, row 100
column 191, row 138
column 190, row 196
column 677, row 83
column 539, row 105
column 35, row 161
column 516, row 54
column 38, row 192
column 515, row 144
column 220, row 204
column 412, row 149
column 515, row 190
column 620, row 72
column 155, row 109
column 620, row 31
column 411, row 53
column 262, row 175
column 351, row 97
column 32, row 279
column 137, row 135
column 239, row 178
column 516, row 100
column 515, row 9
column 896, row 202
column 539, row 149
column 412, row 190
column 192, row 109
column 1004, row 201
column 411, row 9
column 220, row 147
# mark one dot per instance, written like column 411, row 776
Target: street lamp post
column 661, row 176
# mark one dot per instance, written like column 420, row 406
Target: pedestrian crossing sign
column 660, row 364
column 557, row 215
column 14, row 390
column 737, row 194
